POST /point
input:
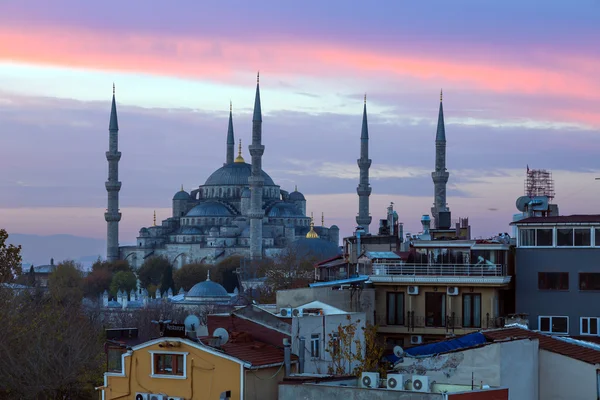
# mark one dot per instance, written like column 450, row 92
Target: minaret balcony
column 256, row 150
column 112, row 186
column 113, row 156
column 363, row 191
column 112, row 216
column 440, row 176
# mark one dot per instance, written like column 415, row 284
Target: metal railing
column 386, row 269
column 450, row 322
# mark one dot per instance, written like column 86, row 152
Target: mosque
column 239, row 210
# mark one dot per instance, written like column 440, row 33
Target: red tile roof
column 257, row 353
column 583, row 218
column 547, row 343
column 233, row 323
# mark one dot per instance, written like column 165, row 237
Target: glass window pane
column 589, row 281
column 179, row 365
column 391, row 311
column 593, row 326
column 545, row 324
column 597, row 240
column 553, row 280
column 467, row 316
column 526, row 237
column 544, row 237
column 559, row 325
column 477, row 311
column 583, row 237
column 400, row 308
column 564, row 237
column 584, row 326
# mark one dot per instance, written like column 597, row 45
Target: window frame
column 559, row 280
column 155, row 374
column 473, row 323
column 399, row 317
column 589, row 319
column 550, row 317
column 579, row 282
column 315, row 338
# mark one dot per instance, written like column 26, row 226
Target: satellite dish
column 398, row 351
column 522, row 202
column 222, row 334
column 191, row 323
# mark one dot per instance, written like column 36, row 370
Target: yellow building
column 182, row 369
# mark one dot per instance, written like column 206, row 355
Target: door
column 435, row 309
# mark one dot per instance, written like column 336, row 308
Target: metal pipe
column 287, row 356
column 301, row 354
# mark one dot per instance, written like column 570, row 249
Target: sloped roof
column 548, row 343
column 256, row 353
column 233, row 323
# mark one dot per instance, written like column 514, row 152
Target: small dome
column 284, row 210
column 209, row 209
column 246, row 193
column 297, row 196
column 312, row 234
column 207, row 291
column 239, row 158
column 334, row 227
column 181, row 195
column 235, row 174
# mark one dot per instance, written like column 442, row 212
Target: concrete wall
column 493, row 365
column 572, row 303
column 323, row 325
column 262, row 383
column 566, row 378
column 347, row 300
column 331, row 392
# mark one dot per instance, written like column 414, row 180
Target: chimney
column 287, row 356
column 52, row 261
column 301, row 354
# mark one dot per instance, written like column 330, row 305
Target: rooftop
column 561, row 219
column 257, row 353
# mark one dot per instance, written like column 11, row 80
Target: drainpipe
column 287, row 356
column 301, row 354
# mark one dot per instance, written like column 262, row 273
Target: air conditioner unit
column 416, row 339
column 142, row 396
column 285, row 312
column 297, row 312
column 452, row 290
column 369, row 380
column 413, row 290
column 420, row 383
column 157, row 397
column 175, row 398
column 395, row 381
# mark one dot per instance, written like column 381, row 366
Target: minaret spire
column 440, row 175
column 364, row 163
column 112, row 216
column 230, row 136
column 255, row 181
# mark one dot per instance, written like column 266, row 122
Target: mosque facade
column 239, row 210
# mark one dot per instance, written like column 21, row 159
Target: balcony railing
column 448, row 322
column 472, row 270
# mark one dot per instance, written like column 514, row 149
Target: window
column 114, row 359
column 526, row 237
column 167, row 365
column 589, row 326
column 336, row 343
column 589, row 281
column 553, row 280
column 583, row 237
column 395, row 308
column 597, row 235
column 564, row 237
column 471, row 310
column 543, row 237
column 314, row 345
column 435, row 309
column 554, row 325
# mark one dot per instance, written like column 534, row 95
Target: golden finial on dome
column 154, row 217
column 312, row 234
column 239, row 158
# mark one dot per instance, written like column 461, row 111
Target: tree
column 190, row 274
column 225, row 272
column 31, row 276
column 96, row 282
column 166, row 282
column 151, row 271
column 10, row 259
column 50, row 350
column 66, row 283
column 289, row 270
column 123, row 280
column 349, row 356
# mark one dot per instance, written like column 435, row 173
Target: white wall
column 507, row 364
column 563, row 377
column 323, row 325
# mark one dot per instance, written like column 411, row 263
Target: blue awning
column 463, row 342
column 358, row 279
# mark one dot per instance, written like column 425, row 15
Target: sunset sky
column 521, row 87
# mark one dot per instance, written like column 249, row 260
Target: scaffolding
column 539, row 182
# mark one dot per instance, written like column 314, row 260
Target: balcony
column 440, row 324
column 439, row 273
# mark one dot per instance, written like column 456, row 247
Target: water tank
column 443, row 221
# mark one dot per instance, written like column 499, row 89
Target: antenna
column 222, row 334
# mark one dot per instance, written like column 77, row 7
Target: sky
column 520, row 81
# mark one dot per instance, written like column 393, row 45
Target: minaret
column 255, row 181
column 364, row 189
column 112, row 214
column 230, row 138
column 440, row 175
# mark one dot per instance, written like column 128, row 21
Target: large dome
column 209, row 209
column 235, row 174
column 284, row 210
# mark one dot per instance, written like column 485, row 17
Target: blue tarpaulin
column 357, row 279
column 463, row 342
